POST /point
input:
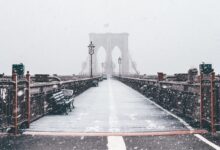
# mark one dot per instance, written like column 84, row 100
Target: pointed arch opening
column 116, row 53
column 101, row 60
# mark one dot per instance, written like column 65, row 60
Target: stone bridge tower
column 109, row 41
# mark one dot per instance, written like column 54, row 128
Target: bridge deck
column 111, row 107
column 109, row 117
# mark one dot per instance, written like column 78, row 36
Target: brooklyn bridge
column 110, row 108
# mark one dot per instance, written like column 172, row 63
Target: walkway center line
column 114, row 142
column 113, row 119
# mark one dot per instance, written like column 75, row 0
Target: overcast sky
column 51, row 36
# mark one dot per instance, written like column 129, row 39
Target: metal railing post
column 28, row 100
column 15, row 102
column 213, row 103
column 201, row 100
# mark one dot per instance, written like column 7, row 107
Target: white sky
column 51, row 36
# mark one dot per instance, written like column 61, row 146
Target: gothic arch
column 101, row 56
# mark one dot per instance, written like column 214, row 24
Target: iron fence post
column 212, row 103
column 201, row 100
column 15, row 102
column 28, row 100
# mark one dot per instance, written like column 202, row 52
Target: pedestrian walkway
column 110, row 107
column 111, row 116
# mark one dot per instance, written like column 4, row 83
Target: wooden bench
column 95, row 83
column 69, row 98
column 61, row 101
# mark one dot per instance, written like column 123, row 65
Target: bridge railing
column 22, row 101
column 181, row 98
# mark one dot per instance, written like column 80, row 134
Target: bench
column 61, row 101
column 95, row 83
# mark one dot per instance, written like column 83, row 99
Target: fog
column 51, row 36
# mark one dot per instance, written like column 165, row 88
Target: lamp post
column 91, row 52
column 119, row 64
